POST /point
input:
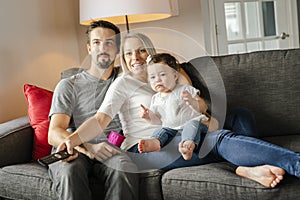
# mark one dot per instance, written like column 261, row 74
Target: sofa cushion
column 26, row 181
column 219, row 181
column 265, row 82
column 32, row 181
column 39, row 103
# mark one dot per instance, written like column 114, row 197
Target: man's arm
column 57, row 133
column 57, row 129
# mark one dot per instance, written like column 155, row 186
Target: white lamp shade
column 115, row 10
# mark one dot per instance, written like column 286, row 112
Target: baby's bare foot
column 267, row 175
column 186, row 149
column 149, row 145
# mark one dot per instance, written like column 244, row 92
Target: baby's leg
column 186, row 149
column 149, row 145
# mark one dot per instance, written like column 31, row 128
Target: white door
column 251, row 25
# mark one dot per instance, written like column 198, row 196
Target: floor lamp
column 123, row 11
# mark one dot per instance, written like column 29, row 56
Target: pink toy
column 115, row 138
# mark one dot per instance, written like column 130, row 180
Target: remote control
column 47, row 160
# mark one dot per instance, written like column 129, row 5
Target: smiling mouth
column 137, row 65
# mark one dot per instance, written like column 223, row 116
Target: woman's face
column 135, row 55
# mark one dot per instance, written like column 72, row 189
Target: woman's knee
column 244, row 114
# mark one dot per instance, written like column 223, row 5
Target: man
column 75, row 100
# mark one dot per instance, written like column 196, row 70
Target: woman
column 130, row 90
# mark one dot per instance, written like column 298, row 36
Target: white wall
column 41, row 38
column 37, row 42
column 188, row 24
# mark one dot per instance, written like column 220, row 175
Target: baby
column 178, row 108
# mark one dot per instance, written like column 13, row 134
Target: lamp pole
column 127, row 24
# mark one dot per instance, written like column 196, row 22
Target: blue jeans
column 222, row 145
column 232, row 145
column 192, row 130
column 241, row 121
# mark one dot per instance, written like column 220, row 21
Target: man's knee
column 121, row 162
column 66, row 170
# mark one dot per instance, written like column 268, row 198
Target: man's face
column 102, row 48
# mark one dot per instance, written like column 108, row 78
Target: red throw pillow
column 39, row 103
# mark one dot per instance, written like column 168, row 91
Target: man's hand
column 101, row 151
column 66, row 145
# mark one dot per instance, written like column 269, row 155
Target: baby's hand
column 145, row 112
column 187, row 97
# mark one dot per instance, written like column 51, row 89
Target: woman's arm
column 87, row 131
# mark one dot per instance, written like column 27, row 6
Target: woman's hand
column 84, row 150
column 212, row 123
column 101, row 151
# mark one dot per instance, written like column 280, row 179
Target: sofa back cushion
column 38, row 106
column 266, row 82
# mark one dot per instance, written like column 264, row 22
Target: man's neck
column 101, row 74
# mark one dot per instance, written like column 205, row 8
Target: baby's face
column 162, row 77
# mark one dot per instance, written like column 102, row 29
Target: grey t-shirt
column 80, row 96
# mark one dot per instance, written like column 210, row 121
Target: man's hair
column 167, row 59
column 104, row 24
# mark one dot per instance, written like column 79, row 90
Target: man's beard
column 104, row 64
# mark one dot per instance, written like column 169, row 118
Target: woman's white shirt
column 124, row 97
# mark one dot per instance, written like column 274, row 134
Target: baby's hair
column 167, row 59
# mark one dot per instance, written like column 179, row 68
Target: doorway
column 243, row 26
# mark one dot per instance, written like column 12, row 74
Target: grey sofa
column 267, row 83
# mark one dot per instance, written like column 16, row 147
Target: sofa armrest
column 16, row 139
